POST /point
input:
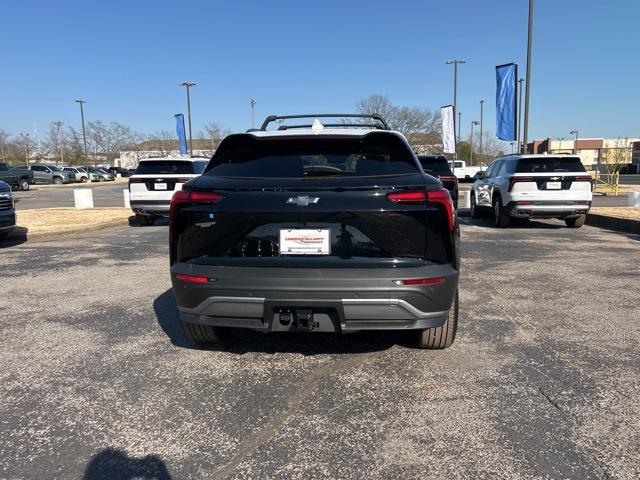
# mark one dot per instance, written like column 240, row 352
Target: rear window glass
column 164, row 167
column 370, row 155
column 435, row 165
column 549, row 165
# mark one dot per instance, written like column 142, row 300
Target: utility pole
column 188, row 85
column 526, row 101
column 520, row 146
column 455, row 64
column 25, row 138
column 253, row 118
column 475, row 122
column 84, row 138
column 459, row 129
column 481, row 108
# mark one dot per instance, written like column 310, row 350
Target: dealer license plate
column 305, row 242
column 161, row 186
column 554, row 185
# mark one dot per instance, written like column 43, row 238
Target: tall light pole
column 84, row 137
column 455, row 64
column 188, row 85
column 253, row 118
column 25, row 139
column 475, row 122
column 575, row 145
column 526, row 101
column 480, row 146
column 520, row 149
column 460, row 127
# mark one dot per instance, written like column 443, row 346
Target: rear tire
column 24, row 185
column 575, row 222
column 57, row 180
column 475, row 212
column 500, row 218
column 205, row 333
column 438, row 338
column 145, row 220
column 84, row 179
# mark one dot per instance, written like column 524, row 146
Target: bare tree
column 619, row 155
column 108, row 140
column 163, row 142
column 25, row 145
column 214, row 132
column 4, row 136
column 55, row 142
column 413, row 122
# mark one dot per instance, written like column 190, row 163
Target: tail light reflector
column 447, row 178
column 135, row 180
column 192, row 278
column 183, row 180
column 439, row 197
column 583, row 178
column 514, row 180
column 420, row 281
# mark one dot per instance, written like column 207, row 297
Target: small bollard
column 466, row 199
column 634, row 199
column 83, row 197
column 125, row 194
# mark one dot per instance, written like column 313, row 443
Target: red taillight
column 408, row 198
column 524, row 202
column 448, row 179
column 192, row 278
column 584, row 178
column 423, row 197
column 514, row 180
column 420, row 281
column 187, row 196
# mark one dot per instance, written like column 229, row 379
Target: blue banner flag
column 507, row 101
column 182, row 137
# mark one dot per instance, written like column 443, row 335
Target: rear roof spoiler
column 378, row 121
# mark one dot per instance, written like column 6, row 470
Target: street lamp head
column 573, row 132
column 451, row 62
column 187, row 84
column 475, row 122
column 81, row 101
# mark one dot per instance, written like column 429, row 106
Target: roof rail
column 374, row 116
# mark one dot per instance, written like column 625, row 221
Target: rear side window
column 549, row 165
column 435, row 165
column 166, row 167
column 374, row 154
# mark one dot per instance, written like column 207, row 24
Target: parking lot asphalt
column 104, row 195
column 543, row 381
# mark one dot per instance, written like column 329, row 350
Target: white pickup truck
column 463, row 172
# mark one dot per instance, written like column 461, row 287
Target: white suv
column 154, row 182
column 533, row 186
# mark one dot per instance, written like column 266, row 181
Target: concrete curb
column 79, row 185
column 626, row 225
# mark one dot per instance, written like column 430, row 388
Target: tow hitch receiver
column 304, row 320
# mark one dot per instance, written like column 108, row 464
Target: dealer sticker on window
column 305, row 242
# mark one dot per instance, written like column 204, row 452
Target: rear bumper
column 547, row 209
column 154, row 207
column 342, row 299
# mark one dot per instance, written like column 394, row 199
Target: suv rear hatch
column 550, row 178
column 343, row 201
column 164, row 175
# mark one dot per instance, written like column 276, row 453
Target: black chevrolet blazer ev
column 324, row 228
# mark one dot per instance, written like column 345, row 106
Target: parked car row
column 21, row 178
column 7, row 210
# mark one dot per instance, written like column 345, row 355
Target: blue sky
column 127, row 59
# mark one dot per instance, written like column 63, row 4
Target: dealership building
column 592, row 151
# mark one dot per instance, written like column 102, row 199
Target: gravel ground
column 98, row 382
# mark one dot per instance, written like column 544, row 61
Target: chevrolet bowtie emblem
column 303, row 201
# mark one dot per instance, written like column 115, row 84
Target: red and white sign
column 305, row 242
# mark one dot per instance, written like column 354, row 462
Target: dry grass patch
column 53, row 221
column 632, row 213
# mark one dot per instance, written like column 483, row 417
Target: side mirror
column 478, row 176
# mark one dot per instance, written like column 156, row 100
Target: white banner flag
column 448, row 129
